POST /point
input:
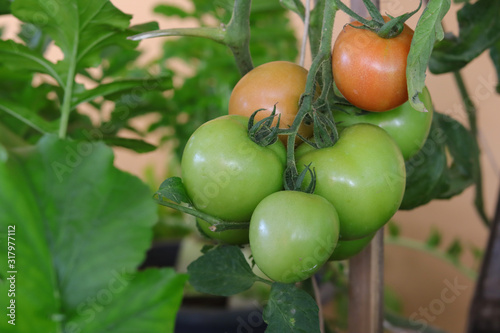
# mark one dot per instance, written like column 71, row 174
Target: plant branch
column 471, row 111
column 238, row 35
column 435, row 252
column 324, row 54
column 215, row 34
column 216, row 224
column 68, row 91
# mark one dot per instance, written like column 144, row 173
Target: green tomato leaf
column 433, row 174
column 427, row 31
column 290, row 309
column 425, row 169
column 139, row 146
column 170, row 11
column 479, row 30
column 82, row 228
column 19, row 57
column 434, row 238
column 80, row 28
column 173, row 189
column 295, row 6
column 464, row 153
column 223, row 271
column 394, row 230
column 495, row 57
column 4, row 7
column 27, row 116
column 161, row 83
column 455, row 249
column 146, row 302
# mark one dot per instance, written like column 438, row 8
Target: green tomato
column 233, row 237
column 362, row 175
column 407, row 126
column 225, row 173
column 346, row 249
column 292, row 234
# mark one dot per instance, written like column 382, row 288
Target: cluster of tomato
column 360, row 180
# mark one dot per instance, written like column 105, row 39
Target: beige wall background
column 418, row 278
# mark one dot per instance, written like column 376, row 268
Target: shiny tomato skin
column 232, row 237
column 347, row 249
column 225, row 173
column 370, row 71
column 292, row 234
column 407, row 126
column 279, row 83
column 363, row 175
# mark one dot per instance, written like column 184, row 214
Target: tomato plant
column 234, row 237
column 225, row 173
column 369, row 70
column 292, row 234
column 274, row 84
column 362, row 175
column 407, row 126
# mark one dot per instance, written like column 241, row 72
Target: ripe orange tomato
column 279, row 83
column 370, row 71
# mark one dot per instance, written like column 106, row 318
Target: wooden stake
column 366, row 282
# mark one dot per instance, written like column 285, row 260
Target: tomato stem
column 216, row 224
column 478, row 179
column 238, row 35
column 323, row 57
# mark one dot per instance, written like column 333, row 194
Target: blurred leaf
column 34, row 38
column 139, row 146
column 477, row 253
column 148, row 304
column 434, row 238
column 4, row 7
column 495, row 57
column 431, row 174
column 394, row 230
column 19, row 57
column 168, row 10
column 425, row 169
column 295, row 6
column 394, row 323
column 27, row 116
column 290, row 309
column 455, row 249
column 223, row 271
column 161, row 83
column 70, row 205
column 427, row 32
column 173, row 189
column 80, row 28
column 463, row 149
column 479, row 30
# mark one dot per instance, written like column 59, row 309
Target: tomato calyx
column 295, row 182
column 390, row 29
column 263, row 132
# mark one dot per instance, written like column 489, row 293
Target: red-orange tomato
column 279, row 83
column 370, row 71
